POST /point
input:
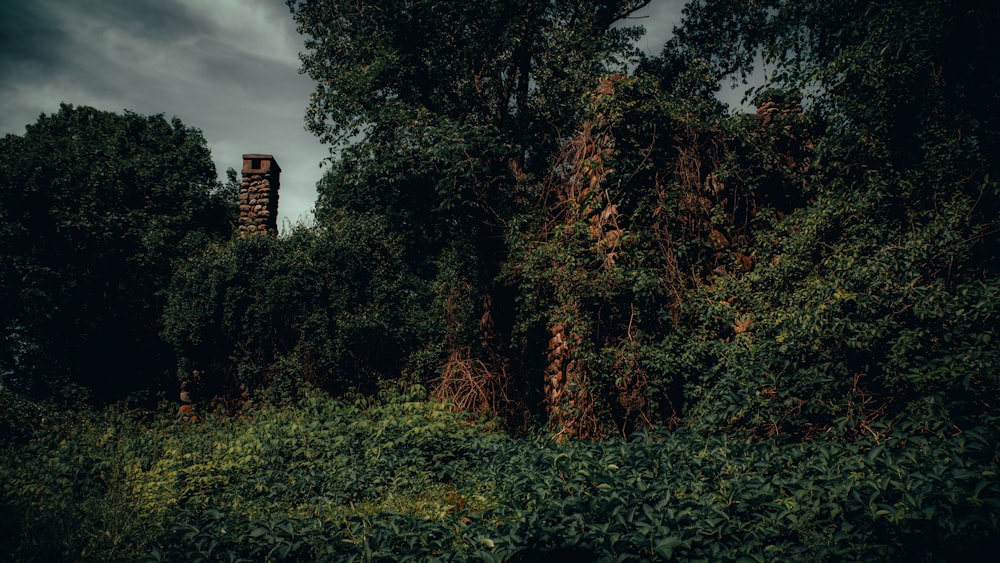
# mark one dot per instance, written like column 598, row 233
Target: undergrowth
column 405, row 478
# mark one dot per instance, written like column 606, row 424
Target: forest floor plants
column 404, row 478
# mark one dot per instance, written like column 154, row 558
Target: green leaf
column 665, row 547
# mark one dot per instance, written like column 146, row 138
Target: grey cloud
column 26, row 32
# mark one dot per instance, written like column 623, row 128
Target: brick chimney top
column 259, row 164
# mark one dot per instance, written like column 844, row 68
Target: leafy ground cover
column 404, row 478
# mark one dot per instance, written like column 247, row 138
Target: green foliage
column 96, row 209
column 762, row 273
column 401, row 477
column 814, row 268
column 65, row 493
column 443, row 110
column 442, row 106
column 798, row 307
column 117, row 485
column 382, row 65
column 894, row 78
column 638, row 210
column 327, row 305
column 874, row 287
column 850, row 321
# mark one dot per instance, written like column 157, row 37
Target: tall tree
column 96, row 207
column 442, row 109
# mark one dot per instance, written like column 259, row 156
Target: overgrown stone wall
column 259, row 195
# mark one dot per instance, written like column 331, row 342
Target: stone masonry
column 259, row 195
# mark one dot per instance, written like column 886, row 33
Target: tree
column 96, row 209
column 780, row 272
column 899, row 76
column 872, row 302
column 443, row 111
column 443, row 106
column 378, row 64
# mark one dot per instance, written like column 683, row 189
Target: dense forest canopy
column 541, row 225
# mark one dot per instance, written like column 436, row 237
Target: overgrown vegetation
column 403, row 477
column 558, row 301
column 97, row 207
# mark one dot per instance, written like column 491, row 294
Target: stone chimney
column 259, row 195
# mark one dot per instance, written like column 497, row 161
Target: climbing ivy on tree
column 443, row 110
column 872, row 298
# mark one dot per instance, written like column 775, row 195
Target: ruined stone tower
column 259, row 195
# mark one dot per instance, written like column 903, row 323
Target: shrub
column 324, row 305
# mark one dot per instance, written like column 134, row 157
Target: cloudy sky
column 227, row 67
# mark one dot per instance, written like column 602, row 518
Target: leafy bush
column 871, row 300
column 404, row 478
column 326, row 305
column 66, row 494
column 141, row 478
